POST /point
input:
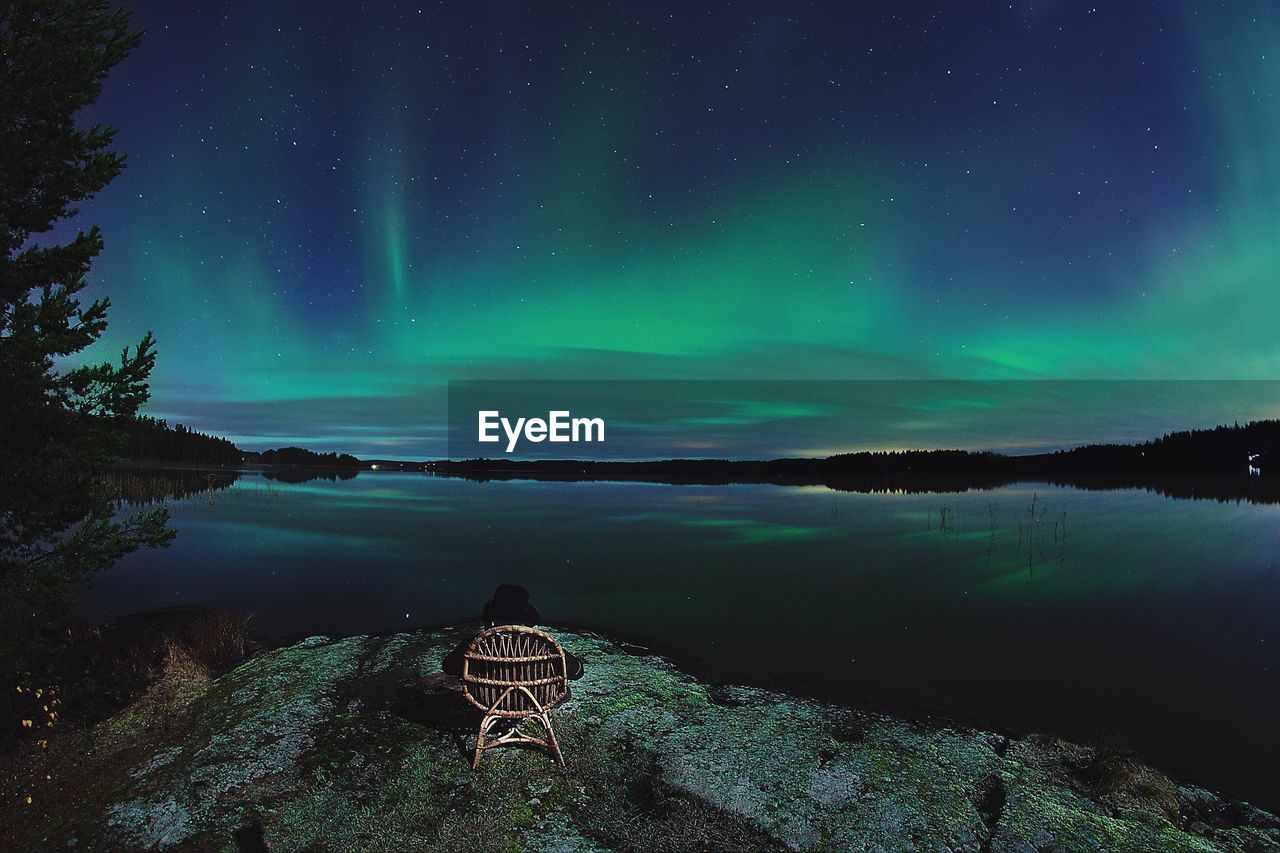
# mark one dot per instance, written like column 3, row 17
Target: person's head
column 509, row 605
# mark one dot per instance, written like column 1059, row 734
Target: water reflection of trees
column 144, row 486
column 1263, row 489
column 306, row 475
column 1256, row 490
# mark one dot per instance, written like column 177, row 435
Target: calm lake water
column 1124, row 616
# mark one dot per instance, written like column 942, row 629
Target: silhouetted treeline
column 1225, row 450
column 1231, row 454
column 1222, row 451
column 931, row 462
column 1218, row 464
column 304, row 458
column 149, row 438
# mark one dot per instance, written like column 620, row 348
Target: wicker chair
column 514, row 674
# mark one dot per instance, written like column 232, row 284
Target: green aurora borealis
column 326, row 216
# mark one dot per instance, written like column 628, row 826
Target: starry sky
column 331, row 210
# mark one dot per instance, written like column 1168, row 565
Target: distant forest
column 1223, row 451
column 1251, row 449
column 149, row 438
column 300, row 457
column 154, row 440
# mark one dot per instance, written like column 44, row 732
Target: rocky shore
column 353, row 745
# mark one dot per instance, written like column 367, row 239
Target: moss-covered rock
column 351, row 745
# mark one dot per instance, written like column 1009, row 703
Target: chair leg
column 485, row 725
column 516, row 736
column 551, row 738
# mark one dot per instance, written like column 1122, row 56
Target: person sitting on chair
column 509, row 605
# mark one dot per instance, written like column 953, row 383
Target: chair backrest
column 510, row 670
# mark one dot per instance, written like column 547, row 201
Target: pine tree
column 62, row 418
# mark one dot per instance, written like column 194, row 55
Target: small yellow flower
column 39, row 692
column 44, row 744
column 28, row 800
column 26, row 724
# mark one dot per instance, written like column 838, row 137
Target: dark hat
column 509, row 605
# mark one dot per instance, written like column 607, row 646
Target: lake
column 1124, row 616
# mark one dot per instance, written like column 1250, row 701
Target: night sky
column 330, row 210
